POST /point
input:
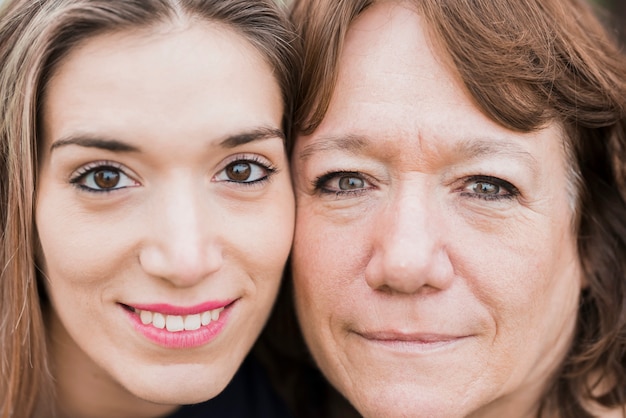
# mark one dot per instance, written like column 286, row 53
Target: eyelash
column 319, row 184
column 252, row 160
column 82, row 173
column 511, row 191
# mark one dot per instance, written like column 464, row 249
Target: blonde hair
column 34, row 37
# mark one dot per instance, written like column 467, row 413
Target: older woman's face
column 435, row 265
column 165, row 213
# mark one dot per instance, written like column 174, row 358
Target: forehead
column 387, row 62
column 397, row 96
column 143, row 50
column 200, row 79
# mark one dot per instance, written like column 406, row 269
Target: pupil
column 348, row 183
column 106, row 179
column 487, row 188
column 239, row 171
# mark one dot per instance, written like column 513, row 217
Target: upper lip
column 168, row 309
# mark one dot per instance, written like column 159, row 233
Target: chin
column 181, row 396
column 407, row 402
column 181, row 389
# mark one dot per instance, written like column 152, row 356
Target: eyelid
column 86, row 169
column 249, row 158
column 319, row 183
column 512, row 191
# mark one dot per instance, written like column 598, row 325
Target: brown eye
column 102, row 178
column 239, row 171
column 246, row 171
column 106, row 179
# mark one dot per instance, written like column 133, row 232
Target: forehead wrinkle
column 352, row 144
column 463, row 150
column 474, row 149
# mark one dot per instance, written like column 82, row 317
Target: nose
column 409, row 253
column 183, row 244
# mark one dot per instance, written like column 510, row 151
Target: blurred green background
column 616, row 16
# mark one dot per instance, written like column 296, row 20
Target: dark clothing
column 248, row 395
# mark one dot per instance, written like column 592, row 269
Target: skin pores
column 434, row 261
column 165, row 214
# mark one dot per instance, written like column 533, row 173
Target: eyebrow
column 258, row 134
column 470, row 148
column 94, row 142
column 475, row 149
column 351, row 144
column 114, row 145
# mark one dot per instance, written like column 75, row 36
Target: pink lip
column 420, row 338
column 412, row 343
column 166, row 309
column 181, row 339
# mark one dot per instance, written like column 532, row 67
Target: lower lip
column 181, row 339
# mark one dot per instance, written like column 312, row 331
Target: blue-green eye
column 489, row 188
column 342, row 183
column 481, row 187
column 350, row 183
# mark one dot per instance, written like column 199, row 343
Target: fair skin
column 165, row 215
column 434, row 261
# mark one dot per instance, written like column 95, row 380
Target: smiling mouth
column 176, row 323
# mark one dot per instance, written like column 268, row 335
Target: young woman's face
column 164, row 210
column 435, row 263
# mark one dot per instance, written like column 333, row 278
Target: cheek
column 78, row 267
column 75, row 250
column 528, row 281
column 262, row 240
column 87, row 257
column 328, row 265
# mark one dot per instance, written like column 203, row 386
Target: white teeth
column 177, row 323
column 146, row 317
column 174, row 323
column 192, row 322
column 215, row 314
column 206, row 318
column 158, row 320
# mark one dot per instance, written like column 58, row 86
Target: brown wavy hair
column 526, row 63
column 34, row 37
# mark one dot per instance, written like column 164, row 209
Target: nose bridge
column 182, row 222
column 407, row 233
column 409, row 252
column 183, row 244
